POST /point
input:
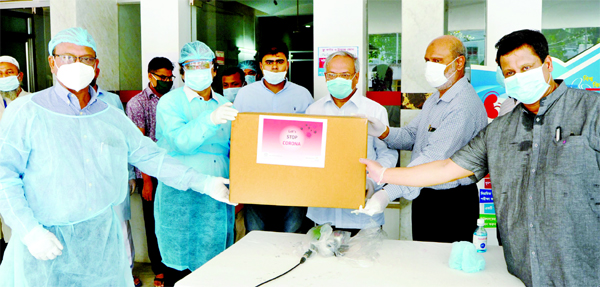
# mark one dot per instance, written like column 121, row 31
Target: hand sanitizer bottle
column 480, row 236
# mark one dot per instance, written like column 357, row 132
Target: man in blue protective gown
column 194, row 124
column 63, row 169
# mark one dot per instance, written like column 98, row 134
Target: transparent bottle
column 480, row 236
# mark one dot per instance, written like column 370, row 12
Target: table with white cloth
column 261, row 255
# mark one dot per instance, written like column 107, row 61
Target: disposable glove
column 370, row 188
column 376, row 127
column 375, row 204
column 223, row 113
column 215, row 188
column 42, row 244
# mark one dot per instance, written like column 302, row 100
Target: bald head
column 451, row 44
column 449, row 51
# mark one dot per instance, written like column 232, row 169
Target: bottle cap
column 480, row 222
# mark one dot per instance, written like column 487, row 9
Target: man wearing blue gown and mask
column 63, row 169
column 194, row 124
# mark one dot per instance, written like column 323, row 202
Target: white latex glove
column 376, row 127
column 42, row 244
column 370, row 188
column 223, row 113
column 375, row 204
column 216, row 189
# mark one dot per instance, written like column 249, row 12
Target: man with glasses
column 450, row 118
column 341, row 76
column 193, row 123
column 63, row 169
column 273, row 94
column 141, row 109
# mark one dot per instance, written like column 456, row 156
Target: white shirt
column 376, row 150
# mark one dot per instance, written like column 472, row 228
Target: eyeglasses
column 346, row 76
column 70, row 59
column 197, row 65
column 164, row 78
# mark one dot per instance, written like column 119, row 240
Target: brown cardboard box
column 340, row 184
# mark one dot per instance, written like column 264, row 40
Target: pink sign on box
column 291, row 141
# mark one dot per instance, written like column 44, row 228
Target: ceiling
column 283, row 7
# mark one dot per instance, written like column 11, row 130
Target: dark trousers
column 274, row 218
column 446, row 215
column 174, row 275
column 153, row 253
column 2, row 248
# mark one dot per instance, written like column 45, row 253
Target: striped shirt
column 444, row 126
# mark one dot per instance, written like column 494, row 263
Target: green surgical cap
column 248, row 64
column 195, row 51
column 77, row 36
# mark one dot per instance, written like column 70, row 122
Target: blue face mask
column 499, row 76
column 230, row 93
column 527, row 87
column 198, row 80
column 250, row 79
column 9, row 83
column 340, row 88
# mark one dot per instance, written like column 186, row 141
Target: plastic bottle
column 480, row 236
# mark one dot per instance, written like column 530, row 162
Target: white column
column 422, row 21
column 505, row 16
column 166, row 27
column 100, row 19
column 337, row 24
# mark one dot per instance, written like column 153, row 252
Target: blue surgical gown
column 192, row 228
column 67, row 173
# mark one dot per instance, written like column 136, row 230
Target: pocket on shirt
column 569, row 156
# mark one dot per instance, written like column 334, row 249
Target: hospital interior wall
column 130, row 48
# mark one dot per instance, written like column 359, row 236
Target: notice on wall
column 486, row 204
column 291, row 141
column 220, row 57
column 326, row 51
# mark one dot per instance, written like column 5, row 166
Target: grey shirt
column 546, row 187
column 443, row 126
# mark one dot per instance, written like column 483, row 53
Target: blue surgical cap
column 77, row 36
column 248, row 64
column 195, row 51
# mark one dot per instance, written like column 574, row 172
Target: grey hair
column 458, row 49
column 345, row 54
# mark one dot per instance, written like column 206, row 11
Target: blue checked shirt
column 443, row 126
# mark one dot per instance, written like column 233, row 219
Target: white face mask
column 75, row 76
column 250, row 79
column 230, row 93
column 274, row 78
column 434, row 73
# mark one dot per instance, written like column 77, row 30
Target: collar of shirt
column 547, row 102
column 148, row 92
column 191, row 94
column 287, row 83
column 70, row 99
column 453, row 91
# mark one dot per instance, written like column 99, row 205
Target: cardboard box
column 340, row 183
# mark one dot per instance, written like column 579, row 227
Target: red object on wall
column 127, row 95
column 386, row 98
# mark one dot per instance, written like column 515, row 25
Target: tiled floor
column 144, row 271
